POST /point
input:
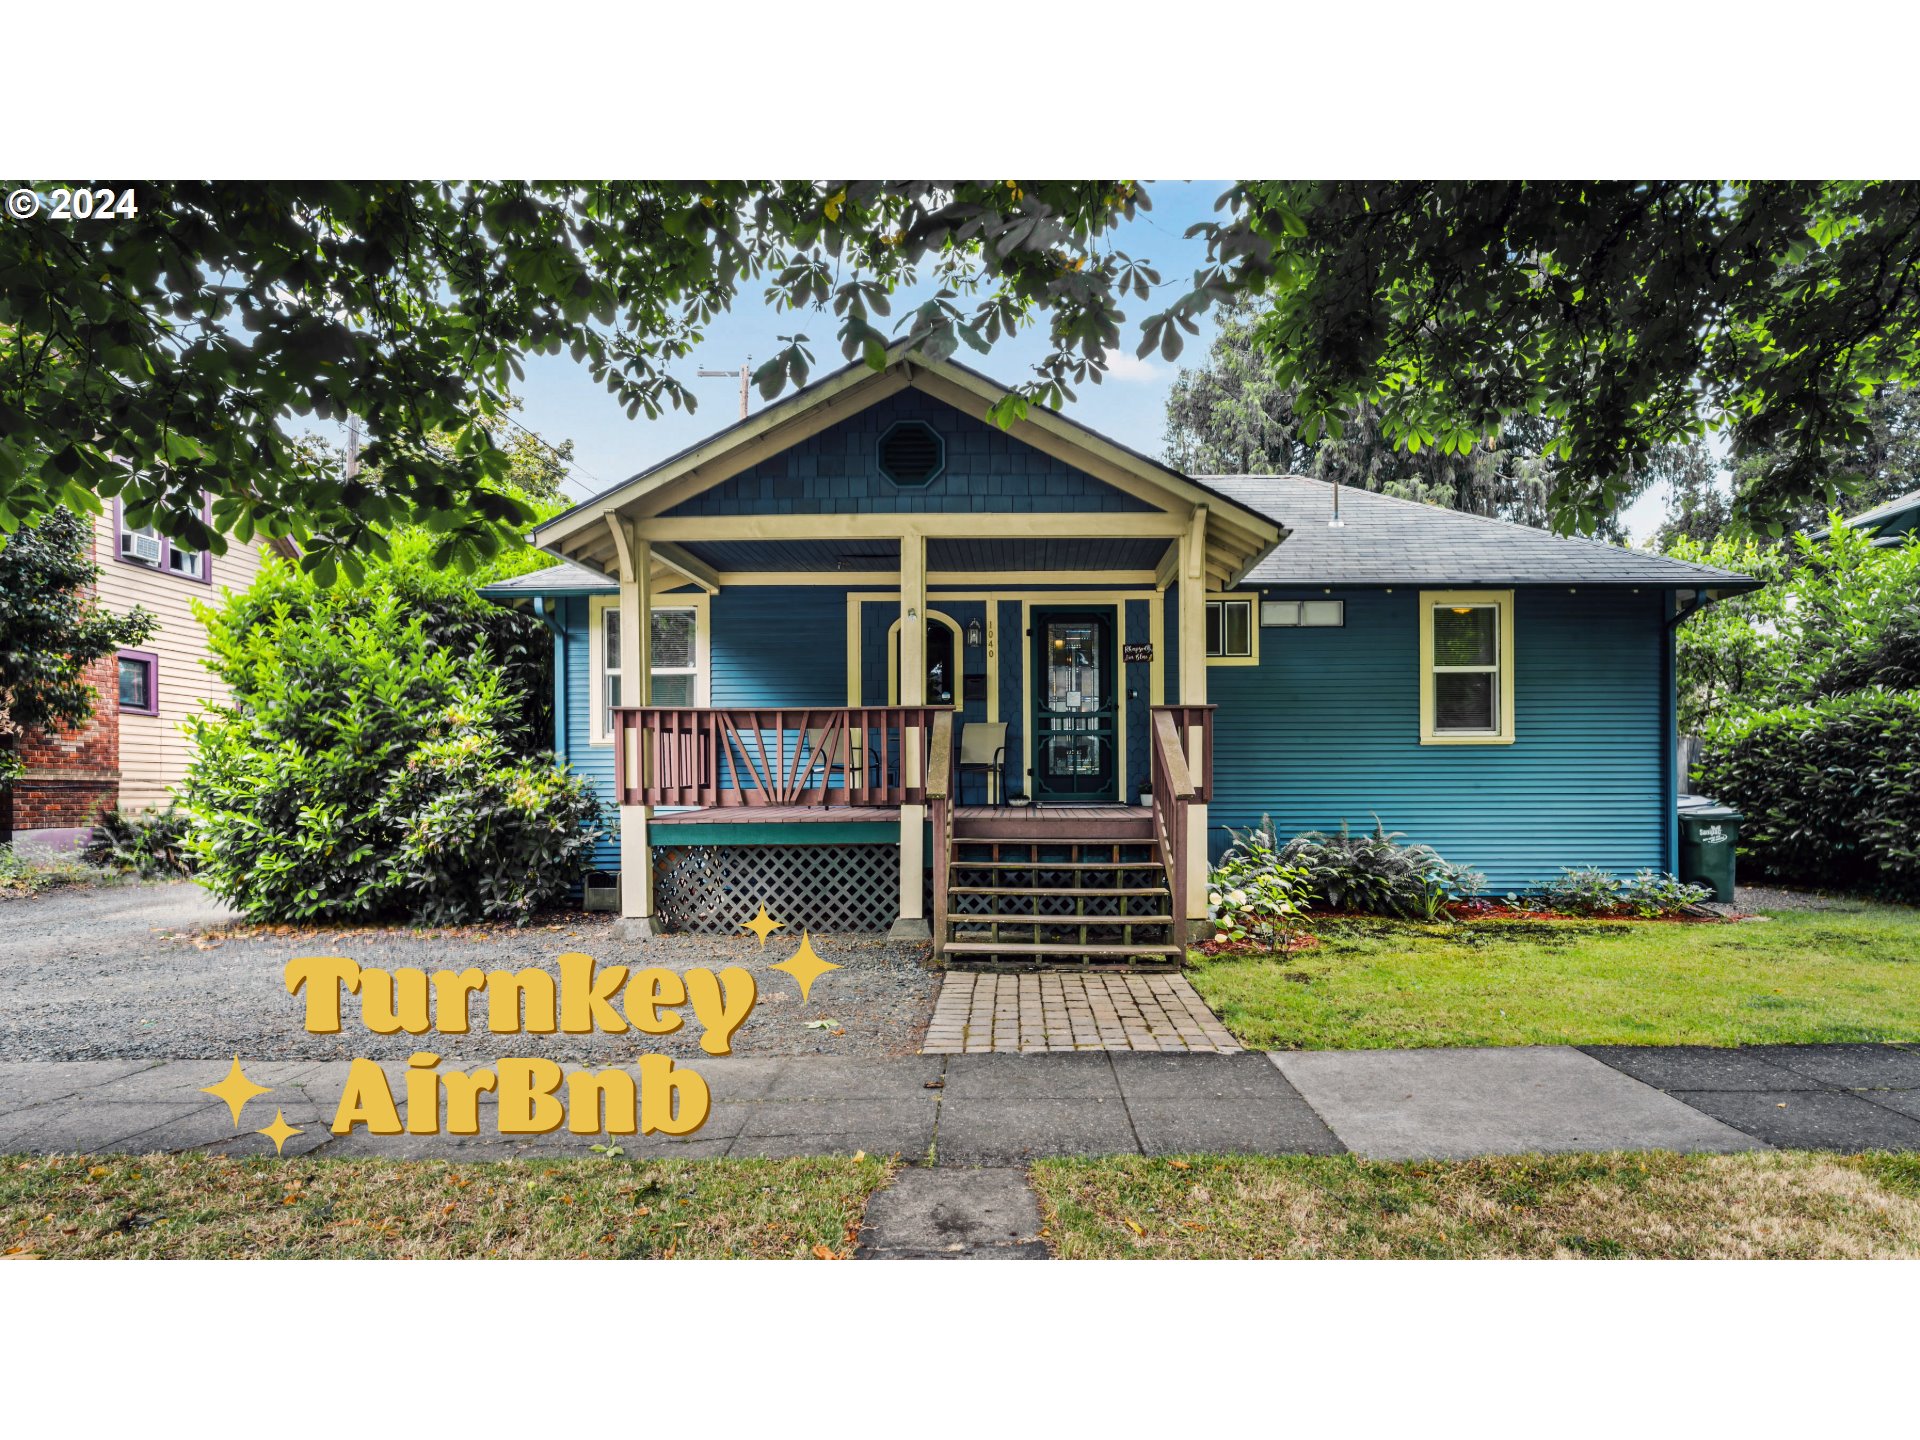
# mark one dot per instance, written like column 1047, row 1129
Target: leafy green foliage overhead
column 173, row 354
column 51, row 628
column 1232, row 416
column 169, row 355
column 1631, row 314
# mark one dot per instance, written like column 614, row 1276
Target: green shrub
column 1651, row 895
column 364, row 769
column 1830, row 790
column 1252, row 893
column 1580, row 892
column 152, row 845
column 1377, row 875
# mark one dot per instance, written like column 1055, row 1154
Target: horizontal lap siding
column 595, row 762
column 780, row 645
column 1326, row 728
column 154, row 749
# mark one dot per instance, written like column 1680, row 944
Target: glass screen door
column 1075, row 708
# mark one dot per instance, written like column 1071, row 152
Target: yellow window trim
column 597, row 607
column 1252, row 597
column 1505, row 682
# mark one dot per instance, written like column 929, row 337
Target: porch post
column 1193, row 691
column 636, row 686
column 912, row 924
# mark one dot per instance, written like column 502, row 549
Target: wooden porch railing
column 874, row 755
column 1177, row 784
column 941, row 793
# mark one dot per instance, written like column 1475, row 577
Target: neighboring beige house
column 133, row 753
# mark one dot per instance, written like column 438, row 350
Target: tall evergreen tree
column 1231, row 416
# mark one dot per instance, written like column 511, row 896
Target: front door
column 1075, row 710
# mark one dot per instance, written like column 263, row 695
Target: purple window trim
column 152, row 662
column 205, row 577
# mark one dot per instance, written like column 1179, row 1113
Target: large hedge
column 1830, row 790
column 378, row 757
column 1806, row 694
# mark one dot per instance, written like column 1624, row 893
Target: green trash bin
column 1707, row 837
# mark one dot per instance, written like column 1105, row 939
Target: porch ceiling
column 1014, row 555
column 798, row 555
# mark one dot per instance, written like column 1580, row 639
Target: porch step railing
column 1181, row 779
column 868, row 755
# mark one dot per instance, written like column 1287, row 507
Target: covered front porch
column 872, row 616
column 749, row 806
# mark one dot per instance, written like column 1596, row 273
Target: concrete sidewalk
column 989, row 1111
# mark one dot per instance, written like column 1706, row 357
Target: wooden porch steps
column 1074, row 896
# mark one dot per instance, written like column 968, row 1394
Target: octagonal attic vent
column 912, row 453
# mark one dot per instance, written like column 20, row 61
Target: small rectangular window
column 1285, row 614
column 139, row 694
column 1323, row 613
column 1229, row 629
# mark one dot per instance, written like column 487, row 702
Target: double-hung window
column 1466, row 667
column 679, row 669
column 676, row 656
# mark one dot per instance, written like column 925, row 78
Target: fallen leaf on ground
column 821, row 1252
column 821, row 1024
column 1133, row 1227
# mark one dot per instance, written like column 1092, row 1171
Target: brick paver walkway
column 977, row 1013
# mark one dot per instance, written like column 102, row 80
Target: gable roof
column 1235, row 536
column 1387, row 541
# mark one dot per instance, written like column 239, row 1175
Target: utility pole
column 745, row 373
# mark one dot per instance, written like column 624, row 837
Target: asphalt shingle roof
column 562, row 579
column 1385, row 541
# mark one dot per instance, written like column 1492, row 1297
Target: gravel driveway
column 165, row 972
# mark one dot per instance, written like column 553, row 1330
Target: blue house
column 874, row 661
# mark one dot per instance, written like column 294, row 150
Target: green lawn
column 1775, row 1205
column 176, row 1207
column 1850, row 974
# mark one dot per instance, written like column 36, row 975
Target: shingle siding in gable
column 837, row 473
column 1326, row 729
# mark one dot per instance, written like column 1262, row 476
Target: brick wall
column 71, row 775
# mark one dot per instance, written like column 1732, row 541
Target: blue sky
column 563, row 402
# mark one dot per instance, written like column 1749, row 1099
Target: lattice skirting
column 711, row 889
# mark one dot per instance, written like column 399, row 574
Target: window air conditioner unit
column 144, row 548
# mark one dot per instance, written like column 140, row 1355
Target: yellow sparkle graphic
column 763, row 925
column 805, row 966
column 279, row 1132
column 236, row 1090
